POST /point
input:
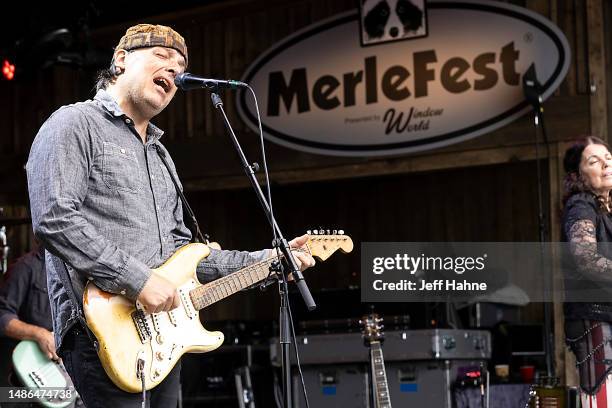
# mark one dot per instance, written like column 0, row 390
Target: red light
column 8, row 70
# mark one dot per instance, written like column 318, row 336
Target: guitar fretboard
column 221, row 288
column 379, row 376
column 321, row 246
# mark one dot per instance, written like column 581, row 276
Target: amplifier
column 418, row 383
column 402, row 345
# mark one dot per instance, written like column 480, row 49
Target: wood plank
column 581, row 59
column 554, row 16
column 555, row 182
column 607, row 6
column 234, row 63
column 564, row 359
column 199, row 115
column 208, row 57
column 218, row 69
column 216, row 11
column 597, row 69
column 539, row 6
column 567, row 23
column 19, row 237
column 403, row 165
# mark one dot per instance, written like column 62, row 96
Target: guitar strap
column 191, row 221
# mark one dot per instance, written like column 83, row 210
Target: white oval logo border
column 467, row 133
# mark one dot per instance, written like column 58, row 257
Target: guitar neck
column 320, row 246
column 226, row 286
column 379, row 376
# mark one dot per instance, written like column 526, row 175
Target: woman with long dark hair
column 587, row 227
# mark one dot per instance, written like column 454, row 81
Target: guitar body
column 129, row 338
column 35, row 370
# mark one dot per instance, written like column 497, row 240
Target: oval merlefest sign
column 320, row 91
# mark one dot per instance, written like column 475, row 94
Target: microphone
column 532, row 87
column 187, row 82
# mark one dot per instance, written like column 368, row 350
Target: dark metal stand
column 244, row 387
column 532, row 89
column 280, row 244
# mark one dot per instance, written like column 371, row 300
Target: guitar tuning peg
column 341, row 232
column 309, row 232
column 315, row 232
column 321, row 231
column 335, row 232
column 328, row 232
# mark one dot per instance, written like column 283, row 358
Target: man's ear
column 119, row 61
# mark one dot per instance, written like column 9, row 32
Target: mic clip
column 275, row 273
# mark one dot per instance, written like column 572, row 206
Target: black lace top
column 588, row 229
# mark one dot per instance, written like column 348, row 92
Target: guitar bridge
column 142, row 326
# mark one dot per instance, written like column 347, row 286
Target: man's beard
column 146, row 106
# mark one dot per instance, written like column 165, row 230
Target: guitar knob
column 156, row 373
column 160, row 355
column 160, row 339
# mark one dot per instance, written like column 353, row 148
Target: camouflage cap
column 149, row 35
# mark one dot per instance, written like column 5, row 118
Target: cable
column 263, row 159
column 267, row 177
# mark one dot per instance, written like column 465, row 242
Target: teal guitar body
column 51, row 384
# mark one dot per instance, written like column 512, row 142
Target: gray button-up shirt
column 103, row 202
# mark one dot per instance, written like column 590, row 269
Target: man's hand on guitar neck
column 159, row 295
column 301, row 253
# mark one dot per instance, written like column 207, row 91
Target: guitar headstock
column 323, row 243
column 372, row 328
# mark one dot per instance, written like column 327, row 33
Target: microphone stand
column 282, row 245
column 532, row 89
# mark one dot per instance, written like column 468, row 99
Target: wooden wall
column 223, row 39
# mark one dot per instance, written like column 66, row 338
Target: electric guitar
column 373, row 336
column 37, row 372
column 138, row 350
